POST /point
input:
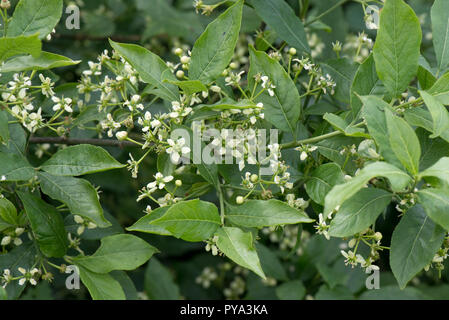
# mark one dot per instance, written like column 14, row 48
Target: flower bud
column 6, row 240
column 19, row 231
column 5, row 4
column 352, row 243
column 78, row 219
column 91, row 225
column 254, row 178
column 178, row 183
column 215, row 89
column 239, row 200
column 180, row 74
column 178, row 51
column 292, row 51
column 185, row 59
column 378, row 236
column 122, row 135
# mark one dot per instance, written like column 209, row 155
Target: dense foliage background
column 299, row 263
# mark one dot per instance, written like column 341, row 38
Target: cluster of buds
column 297, row 203
column 13, row 237
column 406, row 202
column 211, row 245
column 439, row 258
column 83, row 224
column 370, row 238
column 206, row 9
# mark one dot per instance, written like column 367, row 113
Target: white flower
column 160, row 181
column 95, row 69
column 266, row 84
column 65, row 103
column 134, row 104
column 234, row 79
column 177, row 149
column 322, row 227
column 28, row 276
column 47, row 86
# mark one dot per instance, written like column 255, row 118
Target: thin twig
column 73, row 142
column 82, row 37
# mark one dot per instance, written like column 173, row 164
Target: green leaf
column 117, row 252
column 4, row 130
column 35, row 16
column 374, row 113
column 238, row 246
column 322, row 180
column 159, row 284
column 15, row 168
column 426, row 77
column 165, row 165
column 432, row 150
column 414, row 243
column 17, row 140
column 440, row 32
column 271, row 265
column 8, row 214
column 365, row 83
column 441, row 86
column 436, row 203
column 342, row 72
column 145, row 224
column 359, row 212
column 189, row 87
column 342, row 125
column 404, row 142
column 192, row 220
column 260, row 213
column 280, row 17
column 399, row 180
column 419, row 117
column 47, row 225
column 126, row 283
column 208, row 171
column 44, row 62
column 439, row 170
column 101, row 286
column 397, row 47
column 150, row 67
column 10, row 47
column 284, row 107
column 291, row 290
column 80, row 160
column 78, row 194
column 440, row 115
column 214, row 49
